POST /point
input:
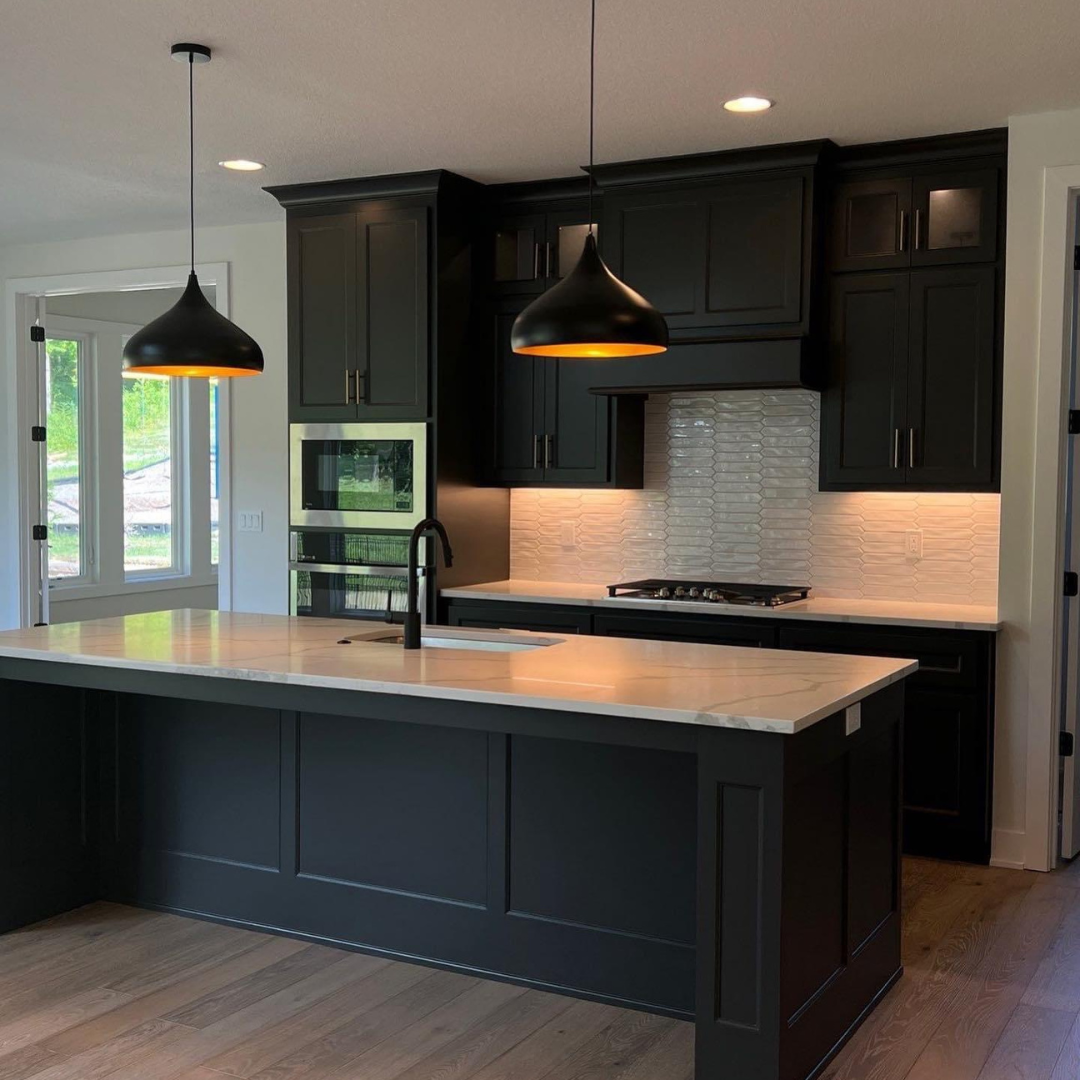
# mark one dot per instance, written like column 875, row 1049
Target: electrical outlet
column 568, row 534
column 853, row 718
column 249, row 521
column 913, row 544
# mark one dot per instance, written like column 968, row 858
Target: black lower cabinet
column 949, row 716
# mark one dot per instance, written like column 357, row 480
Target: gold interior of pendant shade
column 199, row 371
column 594, row 350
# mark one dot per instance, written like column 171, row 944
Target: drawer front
column 946, row 661
column 707, row 630
column 496, row 616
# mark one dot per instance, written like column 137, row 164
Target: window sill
column 162, row 583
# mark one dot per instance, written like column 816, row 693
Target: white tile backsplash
column 731, row 494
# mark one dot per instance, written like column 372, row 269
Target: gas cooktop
column 709, row 592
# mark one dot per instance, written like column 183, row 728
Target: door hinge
column 1065, row 743
column 1074, row 421
column 39, row 532
column 1072, row 583
column 37, row 333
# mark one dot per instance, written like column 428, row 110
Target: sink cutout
column 493, row 641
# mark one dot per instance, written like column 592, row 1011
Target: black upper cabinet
column 950, row 379
column 392, row 313
column 864, row 409
column 358, row 314
column 549, row 429
column 911, row 396
column 931, row 219
column 322, row 317
column 728, row 259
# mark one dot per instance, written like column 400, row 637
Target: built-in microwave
column 357, row 476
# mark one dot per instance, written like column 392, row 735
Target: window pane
column 148, row 509
column 62, row 447
column 214, row 469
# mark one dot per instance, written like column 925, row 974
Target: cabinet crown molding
column 398, row 185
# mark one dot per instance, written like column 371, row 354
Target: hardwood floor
column 991, row 990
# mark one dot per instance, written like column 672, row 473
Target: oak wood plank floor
column 991, row 990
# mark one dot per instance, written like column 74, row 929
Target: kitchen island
column 706, row 832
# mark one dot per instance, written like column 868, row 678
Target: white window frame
column 88, row 482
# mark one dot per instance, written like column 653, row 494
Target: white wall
column 1033, row 364
column 256, row 258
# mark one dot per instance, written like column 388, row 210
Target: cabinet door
column 863, row 414
column 518, row 407
column 576, row 426
column 392, row 313
column 955, row 218
column 951, row 372
column 656, row 243
column 540, row 617
column 322, row 317
column 703, row 630
column 871, row 225
column 754, row 259
column 947, row 769
column 518, row 254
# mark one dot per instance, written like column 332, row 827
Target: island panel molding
column 676, row 867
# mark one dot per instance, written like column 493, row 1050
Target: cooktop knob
column 664, row 593
column 695, row 593
column 680, row 592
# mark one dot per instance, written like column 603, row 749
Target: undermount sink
column 489, row 641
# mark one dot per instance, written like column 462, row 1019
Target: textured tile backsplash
column 731, row 494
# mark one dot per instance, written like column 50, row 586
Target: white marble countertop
column 824, row 609
column 719, row 686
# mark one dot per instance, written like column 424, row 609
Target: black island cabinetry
column 663, row 866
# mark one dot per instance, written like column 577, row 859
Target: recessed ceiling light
column 748, row 104
column 242, row 165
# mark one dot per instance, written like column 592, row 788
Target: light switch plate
column 853, row 718
column 249, row 521
column 913, row 544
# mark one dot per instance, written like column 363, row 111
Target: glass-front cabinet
column 926, row 220
column 532, row 252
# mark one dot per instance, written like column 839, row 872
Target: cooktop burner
column 710, row 592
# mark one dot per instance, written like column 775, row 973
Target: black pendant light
column 590, row 314
column 192, row 339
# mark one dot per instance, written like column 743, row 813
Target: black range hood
column 729, row 365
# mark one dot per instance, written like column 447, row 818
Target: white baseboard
column 1007, row 848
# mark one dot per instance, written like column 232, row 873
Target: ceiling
column 93, row 112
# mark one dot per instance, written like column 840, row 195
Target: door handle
column 549, row 450
column 918, row 229
column 903, row 230
column 896, row 448
column 911, row 448
column 348, row 392
column 536, row 452
column 360, row 382
column 536, row 261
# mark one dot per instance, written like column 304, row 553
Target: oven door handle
column 365, row 570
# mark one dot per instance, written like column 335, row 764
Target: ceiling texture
column 93, row 111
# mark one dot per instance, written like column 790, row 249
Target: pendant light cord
column 592, row 105
column 191, row 153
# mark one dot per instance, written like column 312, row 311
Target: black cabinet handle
column 536, row 452
column 549, row 445
column 348, row 392
column 903, row 230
